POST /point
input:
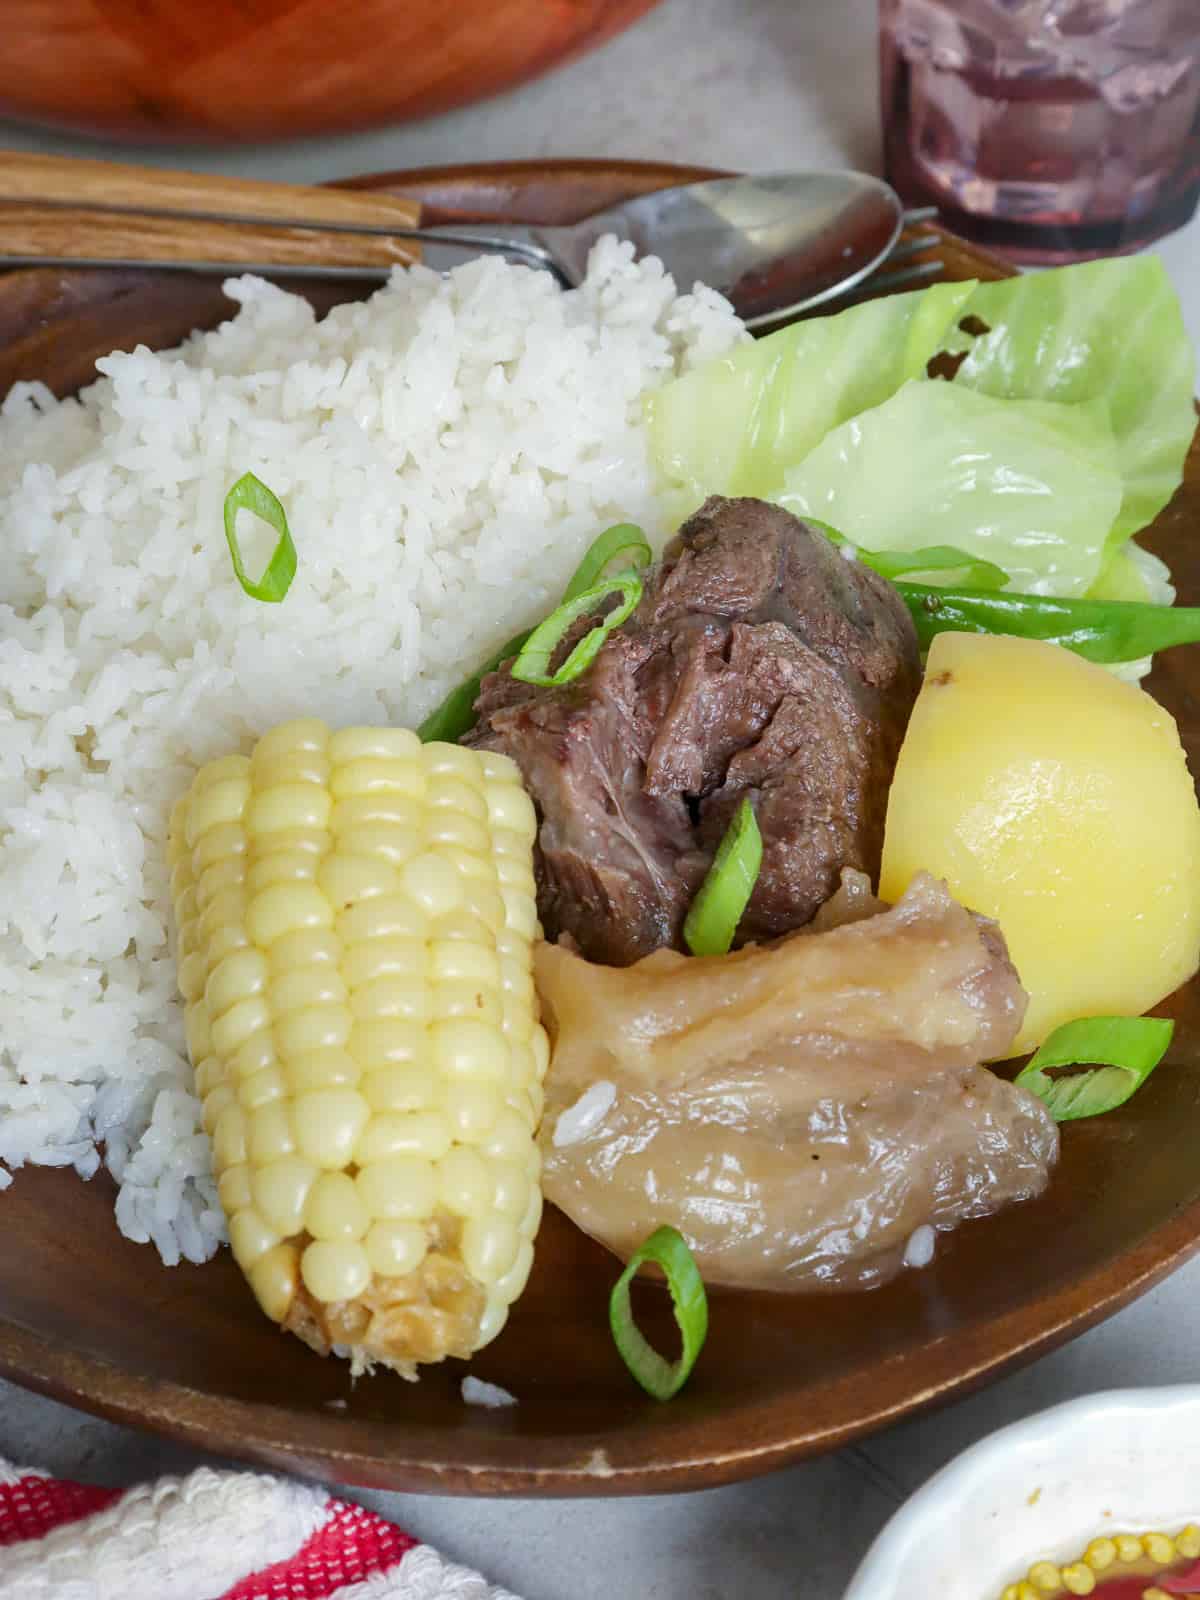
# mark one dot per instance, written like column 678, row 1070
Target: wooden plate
column 94, row 1320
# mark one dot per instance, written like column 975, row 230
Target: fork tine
column 921, row 272
column 919, row 214
column 907, row 248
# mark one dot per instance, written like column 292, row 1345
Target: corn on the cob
column 354, row 916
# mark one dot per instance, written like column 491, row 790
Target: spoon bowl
column 772, row 244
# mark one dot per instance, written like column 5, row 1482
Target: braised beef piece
column 759, row 662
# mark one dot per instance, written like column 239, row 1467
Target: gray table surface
column 755, row 84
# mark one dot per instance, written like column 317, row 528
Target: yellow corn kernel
column 302, row 733
column 328, row 1123
column 404, row 1133
column 376, row 774
column 294, row 766
column 262, row 1087
column 239, row 1023
column 233, row 1189
column 387, row 917
column 384, row 744
column 393, row 995
column 282, row 866
column 334, row 1208
column 313, row 1028
column 1187, row 1541
column 452, row 760
column 400, row 1187
column 311, row 842
column 355, row 915
column 220, row 803
column 280, row 1190
column 269, row 1132
column 254, row 1055
column 466, row 1182
column 1078, row 1578
column 274, row 1277
column 250, row 1237
column 403, row 1086
column 323, row 1069
column 1045, row 1576
column 238, row 976
column 225, row 874
column 446, row 792
column 1159, row 1548
column 348, row 878
column 308, row 986
column 335, row 1270
column 286, row 908
column 464, row 999
column 305, row 948
column 396, row 1248
column 229, row 1139
column 1129, row 1547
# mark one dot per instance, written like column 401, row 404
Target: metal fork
column 774, row 244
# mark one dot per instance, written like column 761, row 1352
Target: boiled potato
column 1056, row 799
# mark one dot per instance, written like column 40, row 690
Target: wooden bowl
column 94, row 1320
column 222, row 70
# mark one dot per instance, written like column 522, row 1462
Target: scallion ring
column 659, row 1377
column 714, row 914
column 533, row 663
column 626, row 540
column 251, row 494
column 456, row 714
column 1122, row 1052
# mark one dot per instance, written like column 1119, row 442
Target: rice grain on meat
column 445, row 452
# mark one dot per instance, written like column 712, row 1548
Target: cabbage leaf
column 1027, row 484
column 831, row 416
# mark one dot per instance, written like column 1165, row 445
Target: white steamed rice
column 445, row 452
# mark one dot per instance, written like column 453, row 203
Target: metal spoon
column 773, row 245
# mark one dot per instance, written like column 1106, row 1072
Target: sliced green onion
column 1122, row 1052
column 251, row 494
column 624, row 539
column 717, row 909
column 456, row 714
column 533, row 663
column 660, row 1378
column 1098, row 630
column 972, row 571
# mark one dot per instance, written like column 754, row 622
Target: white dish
column 1127, row 1460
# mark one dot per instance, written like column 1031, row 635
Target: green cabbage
column 1027, row 484
column 1104, row 330
column 1062, row 433
column 736, row 425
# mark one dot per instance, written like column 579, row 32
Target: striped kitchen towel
column 210, row 1536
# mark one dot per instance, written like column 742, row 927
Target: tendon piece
column 355, row 915
column 797, row 1110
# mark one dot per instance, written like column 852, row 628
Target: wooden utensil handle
column 63, row 180
column 83, row 235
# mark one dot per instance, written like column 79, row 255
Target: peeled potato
column 1056, row 799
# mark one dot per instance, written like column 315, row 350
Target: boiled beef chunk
column 758, row 663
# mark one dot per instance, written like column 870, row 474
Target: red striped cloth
column 210, row 1536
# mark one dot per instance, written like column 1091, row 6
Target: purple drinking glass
column 1050, row 130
